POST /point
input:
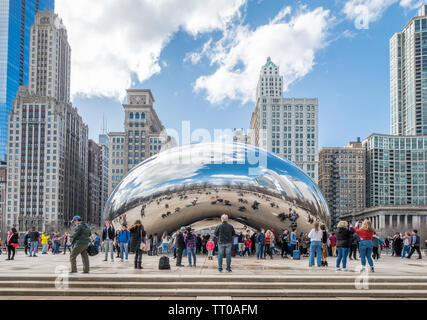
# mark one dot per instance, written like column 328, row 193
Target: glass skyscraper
column 16, row 19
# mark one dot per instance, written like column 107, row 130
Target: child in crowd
column 210, row 246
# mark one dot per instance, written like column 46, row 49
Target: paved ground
column 47, row 264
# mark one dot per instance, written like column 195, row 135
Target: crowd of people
column 347, row 242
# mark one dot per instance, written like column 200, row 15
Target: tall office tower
column 144, row 136
column 285, row 126
column 396, row 170
column 94, row 185
column 50, row 60
column 103, row 171
column 47, row 157
column 408, row 78
column 342, row 179
column 16, row 18
column 3, row 178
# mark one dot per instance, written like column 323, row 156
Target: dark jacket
column 225, row 233
column 417, row 241
column 180, row 243
column 34, row 236
column 344, row 237
column 81, row 234
column 111, row 233
column 13, row 239
column 260, row 238
column 137, row 236
column 356, row 239
column 26, row 238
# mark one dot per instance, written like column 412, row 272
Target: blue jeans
column 109, row 247
column 365, row 249
column 406, row 249
column 227, row 248
column 191, row 253
column 124, row 249
column 236, row 249
column 56, row 247
column 342, row 255
column 165, row 248
column 45, row 248
column 315, row 246
column 33, row 248
column 260, row 253
column 174, row 251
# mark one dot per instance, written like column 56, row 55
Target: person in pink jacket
column 210, row 246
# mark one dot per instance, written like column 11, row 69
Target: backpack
column 164, row 263
column 92, row 250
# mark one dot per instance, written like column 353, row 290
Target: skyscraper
column 16, row 18
column 48, row 142
column 408, row 78
column 285, row 126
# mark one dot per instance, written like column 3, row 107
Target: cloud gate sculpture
column 187, row 184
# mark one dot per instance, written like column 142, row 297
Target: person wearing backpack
column 80, row 236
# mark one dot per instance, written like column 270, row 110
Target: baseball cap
column 76, row 218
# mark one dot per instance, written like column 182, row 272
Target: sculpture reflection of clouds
column 214, row 165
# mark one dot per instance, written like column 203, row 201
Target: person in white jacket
column 316, row 245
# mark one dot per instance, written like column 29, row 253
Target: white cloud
column 241, row 52
column 112, row 40
column 412, row 4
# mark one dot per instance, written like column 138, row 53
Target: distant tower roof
column 269, row 63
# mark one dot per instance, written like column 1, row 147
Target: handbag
column 15, row 245
column 92, row 250
column 143, row 246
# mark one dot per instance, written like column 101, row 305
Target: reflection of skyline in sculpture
column 207, row 167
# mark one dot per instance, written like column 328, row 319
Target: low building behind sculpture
column 143, row 138
column 342, row 178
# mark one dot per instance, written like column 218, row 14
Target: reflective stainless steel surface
column 181, row 186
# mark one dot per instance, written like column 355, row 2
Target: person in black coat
column 180, row 246
column 12, row 243
column 344, row 236
column 137, row 237
column 397, row 244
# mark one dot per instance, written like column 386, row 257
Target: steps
column 180, row 286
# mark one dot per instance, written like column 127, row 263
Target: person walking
column 45, row 242
column 137, row 240
column 34, row 241
column 123, row 239
column 415, row 244
column 406, row 244
column 324, row 246
column 67, row 242
column 56, row 242
column 366, row 233
column 210, row 246
column 344, row 240
column 285, row 244
column 190, row 243
column 80, row 236
column 108, row 236
column 165, row 244
column 224, row 233
column 180, row 245
column 260, row 239
column 12, row 244
column 315, row 236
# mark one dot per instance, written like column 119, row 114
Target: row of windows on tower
column 137, row 115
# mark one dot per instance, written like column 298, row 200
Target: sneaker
column 372, row 269
column 229, row 270
column 194, row 266
column 219, row 270
column 189, row 265
column 345, row 270
column 338, row 269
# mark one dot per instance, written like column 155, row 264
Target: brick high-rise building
column 342, row 179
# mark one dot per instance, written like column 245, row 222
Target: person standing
column 376, row 246
column 324, row 246
column 354, row 246
column 260, row 239
column 210, row 246
column 108, row 236
column 235, row 246
column 45, row 242
column 34, row 242
column 344, row 240
column 305, row 245
column 333, row 242
column 97, row 241
column 366, row 233
column 406, row 244
column 315, row 236
column 224, row 233
column 80, row 236
column 155, row 245
column 241, row 241
column 253, row 243
column 165, row 244
column 268, row 245
column 180, row 245
column 293, row 240
column 415, row 243
column 56, row 242
column 27, row 242
column 190, row 243
column 397, row 244
column 12, row 243
column 285, row 244
column 137, row 239
column 67, row 242
column 123, row 239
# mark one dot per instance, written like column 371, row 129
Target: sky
column 202, row 58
